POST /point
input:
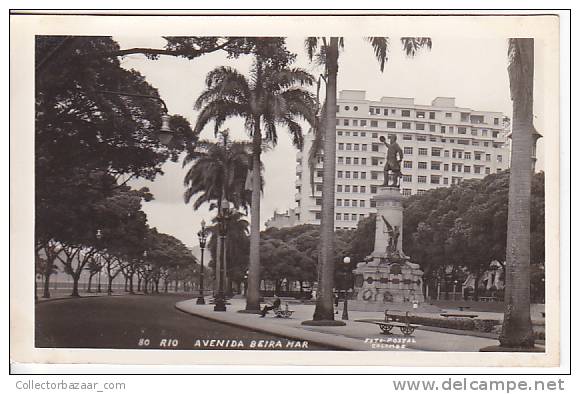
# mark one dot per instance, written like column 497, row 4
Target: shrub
column 485, row 325
column 456, row 324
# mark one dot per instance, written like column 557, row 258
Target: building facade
column 281, row 220
column 442, row 145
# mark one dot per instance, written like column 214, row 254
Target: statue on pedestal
column 392, row 170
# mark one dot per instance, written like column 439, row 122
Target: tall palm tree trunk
column 324, row 303
column 253, row 294
column 517, row 326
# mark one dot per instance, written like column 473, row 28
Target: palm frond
column 219, row 111
column 381, row 48
column 412, row 45
column 311, row 45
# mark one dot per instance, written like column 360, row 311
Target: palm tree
column 517, row 326
column 271, row 97
column 218, row 171
column 328, row 54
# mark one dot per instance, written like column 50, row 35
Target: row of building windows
column 343, row 217
column 355, row 147
column 455, row 154
column 407, row 164
column 443, row 129
column 421, row 138
column 352, row 160
column 419, row 114
column 349, row 216
column 351, row 174
column 351, row 189
column 350, row 203
column 435, row 152
column 455, row 167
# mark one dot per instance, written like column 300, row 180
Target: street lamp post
column 455, row 290
column 99, row 237
column 202, row 237
column 346, row 261
column 220, row 301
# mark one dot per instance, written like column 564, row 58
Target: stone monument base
column 387, row 280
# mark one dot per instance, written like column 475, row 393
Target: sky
column 476, row 75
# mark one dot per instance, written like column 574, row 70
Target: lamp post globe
column 165, row 133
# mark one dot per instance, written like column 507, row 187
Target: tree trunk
column 110, row 285
column 253, row 292
column 324, row 302
column 47, row 273
column 90, row 282
column 75, row 290
column 138, row 283
column 131, row 291
column 517, row 325
column 126, row 283
column 166, row 285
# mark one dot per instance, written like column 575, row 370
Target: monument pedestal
column 387, row 279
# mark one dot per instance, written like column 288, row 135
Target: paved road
column 128, row 322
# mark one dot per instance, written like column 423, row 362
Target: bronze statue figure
column 394, row 157
column 394, row 234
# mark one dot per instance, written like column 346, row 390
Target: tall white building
column 442, row 144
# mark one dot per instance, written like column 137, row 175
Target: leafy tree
column 328, row 55
column 283, row 262
column 271, row 97
column 164, row 252
column 93, row 268
column 465, row 225
column 89, row 139
column 362, row 242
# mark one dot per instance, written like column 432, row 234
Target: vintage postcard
column 306, row 189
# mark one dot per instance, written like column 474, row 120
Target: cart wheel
column 386, row 328
column 407, row 330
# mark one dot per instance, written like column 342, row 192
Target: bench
column 391, row 321
column 488, row 299
column 283, row 313
column 470, row 315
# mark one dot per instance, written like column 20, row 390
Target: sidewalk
column 354, row 336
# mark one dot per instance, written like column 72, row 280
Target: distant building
column 281, row 220
column 442, row 145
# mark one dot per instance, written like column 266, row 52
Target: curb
column 320, row 342
column 70, row 298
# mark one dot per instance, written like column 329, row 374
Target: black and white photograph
column 373, row 189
